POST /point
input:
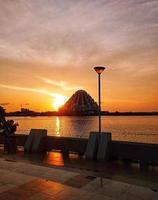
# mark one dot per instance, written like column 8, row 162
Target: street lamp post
column 99, row 70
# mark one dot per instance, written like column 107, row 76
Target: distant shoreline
column 36, row 114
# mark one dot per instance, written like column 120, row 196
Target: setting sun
column 59, row 100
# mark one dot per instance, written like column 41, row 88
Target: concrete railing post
column 98, row 146
column 92, row 146
column 103, row 153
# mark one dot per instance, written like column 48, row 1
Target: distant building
column 25, row 110
column 80, row 103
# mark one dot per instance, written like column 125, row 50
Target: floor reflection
column 120, row 170
column 54, row 158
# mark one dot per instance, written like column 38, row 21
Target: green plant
column 8, row 129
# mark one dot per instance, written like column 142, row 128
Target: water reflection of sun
column 57, row 126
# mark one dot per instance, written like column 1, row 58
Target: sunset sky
column 48, row 49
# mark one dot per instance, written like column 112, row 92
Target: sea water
column 125, row 128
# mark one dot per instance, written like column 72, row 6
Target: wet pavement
column 53, row 176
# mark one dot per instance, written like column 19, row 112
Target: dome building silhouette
column 80, row 103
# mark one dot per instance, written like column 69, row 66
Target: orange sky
column 49, row 48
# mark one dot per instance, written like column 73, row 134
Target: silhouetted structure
column 80, row 103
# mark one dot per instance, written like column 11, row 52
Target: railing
column 142, row 152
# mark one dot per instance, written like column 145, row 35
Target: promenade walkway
column 21, row 180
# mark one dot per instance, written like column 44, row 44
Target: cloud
column 76, row 32
column 36, row 90
column 66, row 39
column 4, row 104
column 62, row 84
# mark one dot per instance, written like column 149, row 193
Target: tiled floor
column 20, row 181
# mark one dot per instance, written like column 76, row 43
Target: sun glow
column 59, row 100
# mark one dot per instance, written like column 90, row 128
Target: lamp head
column 99, row 69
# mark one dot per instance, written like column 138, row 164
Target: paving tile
column 39, row 196
column 14, row 178
column 37, row 185
column 20, row 181
column 20, row 193
column 72, row 194
column 155, row 196
column 7, row 196
column 138, row 192
column 101, row 197
column 60, row 177
column 54, row 190
column 84, row 195
column 113, row 189
column 38, row 171
column 31, row 186
column 95, row 184
column 5, row 187
column 78, row 181
column 1, row 184
column 127, row 196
